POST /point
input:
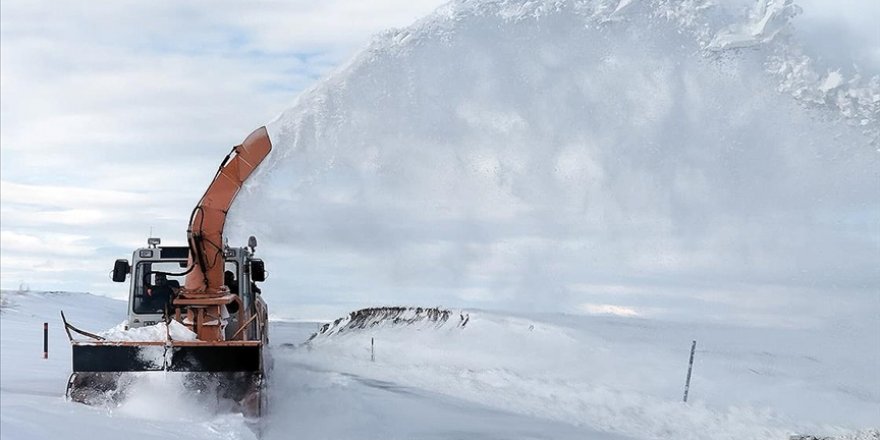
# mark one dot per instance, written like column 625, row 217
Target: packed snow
column 174, row 331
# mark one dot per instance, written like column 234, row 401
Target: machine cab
column 158, row 272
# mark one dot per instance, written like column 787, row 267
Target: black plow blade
column 208, row 358
column 104, row 373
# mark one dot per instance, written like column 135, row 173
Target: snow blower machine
column 192, row 309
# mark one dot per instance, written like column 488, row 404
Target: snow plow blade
column 129, row 357
column 103, row 371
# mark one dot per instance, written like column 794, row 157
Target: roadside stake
column 45, row 340
column 687, row 384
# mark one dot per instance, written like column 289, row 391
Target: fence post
column 372, row 350
column 45, row 340
column 687, row 384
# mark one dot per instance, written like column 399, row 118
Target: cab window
column 155, row 285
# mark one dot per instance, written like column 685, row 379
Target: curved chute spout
column 205, row 233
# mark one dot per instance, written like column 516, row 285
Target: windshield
column 154, row 287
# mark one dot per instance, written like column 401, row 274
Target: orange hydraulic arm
column 205, row 233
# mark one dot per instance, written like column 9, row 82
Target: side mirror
column 252, row 242
column 258, row 270
column 120, row 269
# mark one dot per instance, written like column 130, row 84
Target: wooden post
column 372, row 350
column 687, row 384
column 45, row 340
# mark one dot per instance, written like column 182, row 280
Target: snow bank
column 381, row 317
column 4, row 300
column 869, row 434
column 620, row 376
column 158, row 332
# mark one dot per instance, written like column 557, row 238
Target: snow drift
column 174, row 331
column 665, row 158
column 618, row 376
column 373, row 317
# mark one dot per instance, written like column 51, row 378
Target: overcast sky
column 114, row 118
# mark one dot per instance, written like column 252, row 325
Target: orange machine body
column 205, row 236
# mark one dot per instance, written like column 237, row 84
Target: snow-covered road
column 306, row 401
column 501, row 376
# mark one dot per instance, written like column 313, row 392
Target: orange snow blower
column 218, row 306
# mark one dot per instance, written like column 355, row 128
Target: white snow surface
column 535, row 376
column 619, row 375
column 157, row 332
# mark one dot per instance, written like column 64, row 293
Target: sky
column 113, row 120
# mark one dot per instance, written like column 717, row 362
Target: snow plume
column 767, row 19
column 673, row 158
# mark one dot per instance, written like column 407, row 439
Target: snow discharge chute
column 205, row 233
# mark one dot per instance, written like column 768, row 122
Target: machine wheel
column 95, row 388
column 254, row 402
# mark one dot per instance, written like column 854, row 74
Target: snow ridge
column 384, row 317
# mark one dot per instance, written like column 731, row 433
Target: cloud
column 66, row 196
column 115, row 117
column 609, row 309
column 172, row 80
column 47, row 244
